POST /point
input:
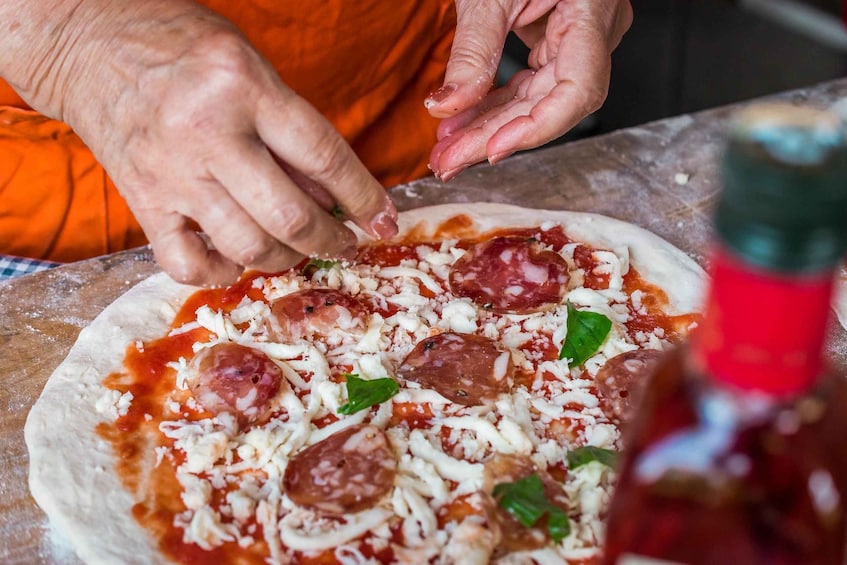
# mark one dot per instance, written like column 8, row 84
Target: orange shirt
column 367, row 65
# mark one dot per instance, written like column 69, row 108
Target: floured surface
column 630, row 175
column 40, row 318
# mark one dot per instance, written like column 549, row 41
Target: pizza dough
column 71, row 468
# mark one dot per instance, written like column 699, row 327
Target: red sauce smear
column 655, row 304
column 151, row 381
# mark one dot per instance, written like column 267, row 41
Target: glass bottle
column 738, row 450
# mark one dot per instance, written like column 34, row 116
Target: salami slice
column 317, row 311
column 349, row 471
column 465, row 368
column 510, row 274
column 621, row 378
column 232, row 378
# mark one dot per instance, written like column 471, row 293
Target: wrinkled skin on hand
column 197, row 130
column 570, row 43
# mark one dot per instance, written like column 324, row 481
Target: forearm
column 40, row 46
column 53, row 51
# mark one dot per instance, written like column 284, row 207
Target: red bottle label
column 763, row 331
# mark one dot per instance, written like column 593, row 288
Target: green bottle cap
column 784, row 199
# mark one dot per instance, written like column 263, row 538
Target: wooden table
column 661, row 176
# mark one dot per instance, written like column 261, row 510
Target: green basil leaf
column 588, row 453
column 362, row 394
column 558, row 524
column 525, row 500
column 314, row 264
column 586, row 333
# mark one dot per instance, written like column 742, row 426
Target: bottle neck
column 761, row 330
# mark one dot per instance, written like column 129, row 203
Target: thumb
column 481, row 29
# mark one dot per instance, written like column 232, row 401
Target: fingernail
column 492, row 159
column 349, row 253
column 447, row 175
column 384, row 225
column 440, row 95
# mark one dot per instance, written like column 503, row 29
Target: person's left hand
column 571, row 42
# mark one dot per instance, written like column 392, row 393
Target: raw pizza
column 453, row 396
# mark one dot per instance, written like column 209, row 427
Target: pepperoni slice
column 621, row 378
column 465, row 368
column 232, row 378
column 317, row 311
column 514, row 535
column 510, row 274
column 347, row 472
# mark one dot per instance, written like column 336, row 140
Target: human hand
column 195, row 127
column 570, row 42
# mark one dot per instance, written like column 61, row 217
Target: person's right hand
column 193, row 125
column 570, row 60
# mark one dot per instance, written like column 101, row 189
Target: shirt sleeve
column 56, row 200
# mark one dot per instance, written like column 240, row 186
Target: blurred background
column 686, row 55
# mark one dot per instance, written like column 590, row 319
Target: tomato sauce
column 457, row 510
column 148, row 376
column 413, row 416
column 583, row 256
column 655, row 305
column 387, row 255
column 224, row 299
column 460, row 226
column 546, row 349
column 383, row 555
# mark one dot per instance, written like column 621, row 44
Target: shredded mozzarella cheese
column 438, row 463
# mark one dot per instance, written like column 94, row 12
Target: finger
column 270, row 197
column 295, row 131
column 479, row 118
column 492, row 100
column 182, row 253
column 455, row 153
column 535, row 12
column 318, row 193
column 235, row 234
column 555, row 114
column 467, row 145
column 524, row 123
column 578, row 87
column 547, row 120
column 531, row 33
column 481, row 28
